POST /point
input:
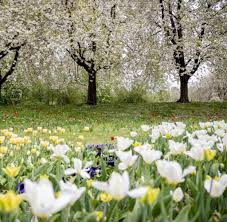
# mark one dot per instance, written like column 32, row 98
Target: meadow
column 108, row 119
column 115, row 162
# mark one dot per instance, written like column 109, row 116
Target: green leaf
column 89, row 218
column 136, row 214
column 183, row 215
column 54, row 218
column 65, row 214
column 156, row 210
column 44, row 169
column 224, row 218
column 103, row 167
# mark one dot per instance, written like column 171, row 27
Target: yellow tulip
column 2, row 139
column 45, row 130
column 60, row 130
column 11, row 171
column 168, row 136
column 35, row 132
column 26, row 140
column 136, row 143
column 61, row 141
column 3, row 149
column 19, row 140
column 210, row 154
column 33, row 150
column 8, row 134
column 39, row 128
column 105, row 197
column 150, row 196
column 98, row 215
column 44, row 177
column 79, row 144
column 77, row 148
column 9, row 201
column 28, row 130
column 86, row 129
column 81, row 137
column 54, row 139
column 57, row 194
column 44, row 144
column 89, row 183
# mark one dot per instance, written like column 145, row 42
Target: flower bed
column 166, row 172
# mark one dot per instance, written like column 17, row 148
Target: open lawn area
column 107, row 120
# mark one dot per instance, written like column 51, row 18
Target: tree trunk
column 184, row 89
column 0, row 87
column 92, row 97
column 0, row 92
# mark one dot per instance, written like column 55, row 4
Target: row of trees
column 134, row 40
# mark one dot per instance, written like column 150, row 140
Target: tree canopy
column 120, row 43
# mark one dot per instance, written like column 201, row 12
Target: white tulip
column 198, row 133
column 215, row 187
column 29, row 160
column 154, row 135
column 145, row 128
column 149, row 156
column 196, row 153
column 123, row 143
column 86, row 129
column 168, row 130
column 177, row 195
column 34, row 219
column 220, row 147
column 219, row 125
column 42, row 200
column 224, row 140
column 204, row 143
column 126, row 158
column 118, row 187
column 137, row 193
column 189, row 170
column 133, row 134
column 205, row 125
column 180, row 125
column 176, row 148
column 208, row 140
column 171, row 171
column 144, row 147
column 220, row 132
column 223, row 180
column 43, row 160
column 78, row 169
column 60, row 151
column 72, row 190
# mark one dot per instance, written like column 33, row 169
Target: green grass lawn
column 106, row 120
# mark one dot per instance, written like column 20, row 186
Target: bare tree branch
column 11, row 70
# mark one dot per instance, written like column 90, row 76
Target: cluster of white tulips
column 168, row 165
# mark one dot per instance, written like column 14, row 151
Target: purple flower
column 99, row 146
column 110, row 162
column 99, row 152
column 20, row 188
column 92, row 171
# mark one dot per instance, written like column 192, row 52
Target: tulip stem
column 112, row 209
column 65, row 214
